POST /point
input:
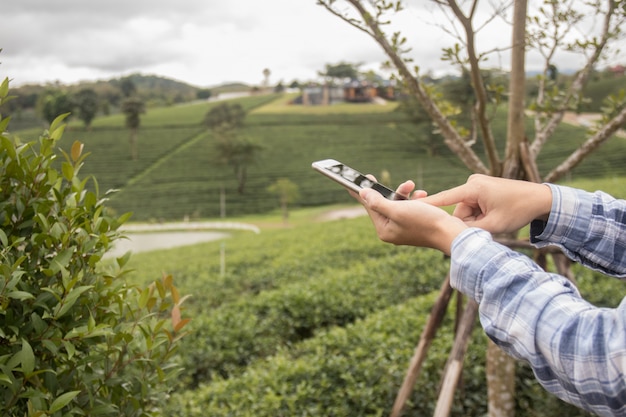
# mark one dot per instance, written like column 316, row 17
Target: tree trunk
column 501, row 367
column 134, row 154
column 500, row 381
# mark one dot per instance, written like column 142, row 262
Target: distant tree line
column 88, row 99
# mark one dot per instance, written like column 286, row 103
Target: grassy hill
column 177, row 176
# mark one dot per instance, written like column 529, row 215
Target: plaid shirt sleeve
column 577, row 351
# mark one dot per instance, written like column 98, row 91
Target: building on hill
column 353, row 91
column 617, row 70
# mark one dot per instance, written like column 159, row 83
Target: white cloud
column 206, row 42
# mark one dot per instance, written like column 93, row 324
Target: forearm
column 589, row 227
column 575, row 349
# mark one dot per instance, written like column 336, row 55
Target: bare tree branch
column 478, row 85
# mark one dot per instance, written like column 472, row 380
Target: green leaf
column 61, row 260
column 4, row 379
column 69, row 348
column 3, row 238
column 20, row 295
column 68, row 171
column 56, row 123
column 4, row 123
column 4, row 87
column 143, row 299
column 69, row 301
column 27, row 358
column 62, row 401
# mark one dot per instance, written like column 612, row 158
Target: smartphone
column 352, row 179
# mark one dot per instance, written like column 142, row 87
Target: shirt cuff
column 568, row 205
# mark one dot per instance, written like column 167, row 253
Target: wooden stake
column 437, row 314
column 454, row 366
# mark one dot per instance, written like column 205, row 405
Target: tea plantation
column 176, row 175
column 319, row 318
column 322, row 319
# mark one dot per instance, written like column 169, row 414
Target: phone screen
column 353, row 179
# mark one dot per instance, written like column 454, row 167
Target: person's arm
column 577, row 351
column 589, row 227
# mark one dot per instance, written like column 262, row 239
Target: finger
column 418, row 194
column 406, row 188
column 449, row 197
column 465, row 212
column 373, row 201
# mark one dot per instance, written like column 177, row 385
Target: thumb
column 373, row 200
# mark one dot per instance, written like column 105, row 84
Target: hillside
column 177, row 175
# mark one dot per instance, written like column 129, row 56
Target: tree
column 204, row 94
column 266, row 78
column 87, row 105
column 341, row 71
column 128, row 87
column 133, row 108
column 224, row 120
column 239, row 153
column 550, row 30
column 75, row 338
column 225, row 117
column 53, row 103
column 287, row 192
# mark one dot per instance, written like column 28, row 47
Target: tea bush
column 75, row 339
column 235, row 334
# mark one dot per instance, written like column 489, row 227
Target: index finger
column 449, row 197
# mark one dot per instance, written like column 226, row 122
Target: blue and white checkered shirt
column 577, row 350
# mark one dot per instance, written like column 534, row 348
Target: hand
column 497, row 205
column 411, row 222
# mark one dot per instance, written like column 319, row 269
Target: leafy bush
column 351, row 371
column 75, row 339
column 230, row 337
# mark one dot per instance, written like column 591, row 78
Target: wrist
column 544, row 198
column 450, row 229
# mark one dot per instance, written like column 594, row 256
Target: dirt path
column 149, row 237
column 587, row 120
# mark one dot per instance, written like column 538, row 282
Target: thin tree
column 549, row 31
column 233, row 149
column 287, row 192
column 266, row 78
column 133, row 108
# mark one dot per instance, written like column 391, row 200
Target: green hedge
column 352, row 371
column 228, row 338
column 358, row 370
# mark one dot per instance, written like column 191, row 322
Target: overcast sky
column 203, row 42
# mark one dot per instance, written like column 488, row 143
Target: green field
column 311, row 318
column 176, row 175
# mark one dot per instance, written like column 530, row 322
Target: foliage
column 177, row 174
column 75, row 339
column 356, row 370
column 287, row 193
column 341, row 71
column 233, row 335
column 87, row 105
column 275, row 284
column 53, row 103
column 231, row 148
column 225, row 117
column 133, row 108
